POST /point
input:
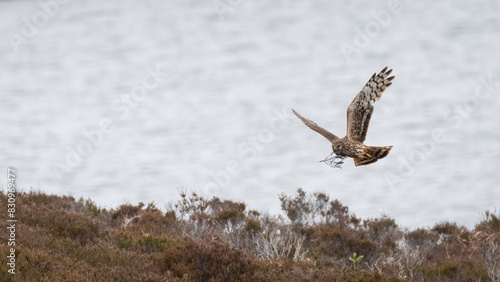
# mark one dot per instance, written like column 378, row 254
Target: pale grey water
column 227, row 80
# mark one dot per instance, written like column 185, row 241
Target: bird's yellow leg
column 368, row 155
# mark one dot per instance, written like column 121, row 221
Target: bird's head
column 338, row 148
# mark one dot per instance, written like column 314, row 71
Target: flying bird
column 359, row 114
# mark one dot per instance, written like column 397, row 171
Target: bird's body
column 361, row 153
column 359, row 114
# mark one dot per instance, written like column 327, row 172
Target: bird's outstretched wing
column 360, row 110
column 312, row 125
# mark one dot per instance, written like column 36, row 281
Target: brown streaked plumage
column 359, row 114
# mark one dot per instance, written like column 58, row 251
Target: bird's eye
column 339, row 147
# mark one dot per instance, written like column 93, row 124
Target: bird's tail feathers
column 372, row 154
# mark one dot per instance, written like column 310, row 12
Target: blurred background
column 133, row 101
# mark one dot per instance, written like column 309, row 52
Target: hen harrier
column 359, row 113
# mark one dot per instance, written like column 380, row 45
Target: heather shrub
column 490, row 224
column 59, row 238
column 304, row 209
column 204, row 261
